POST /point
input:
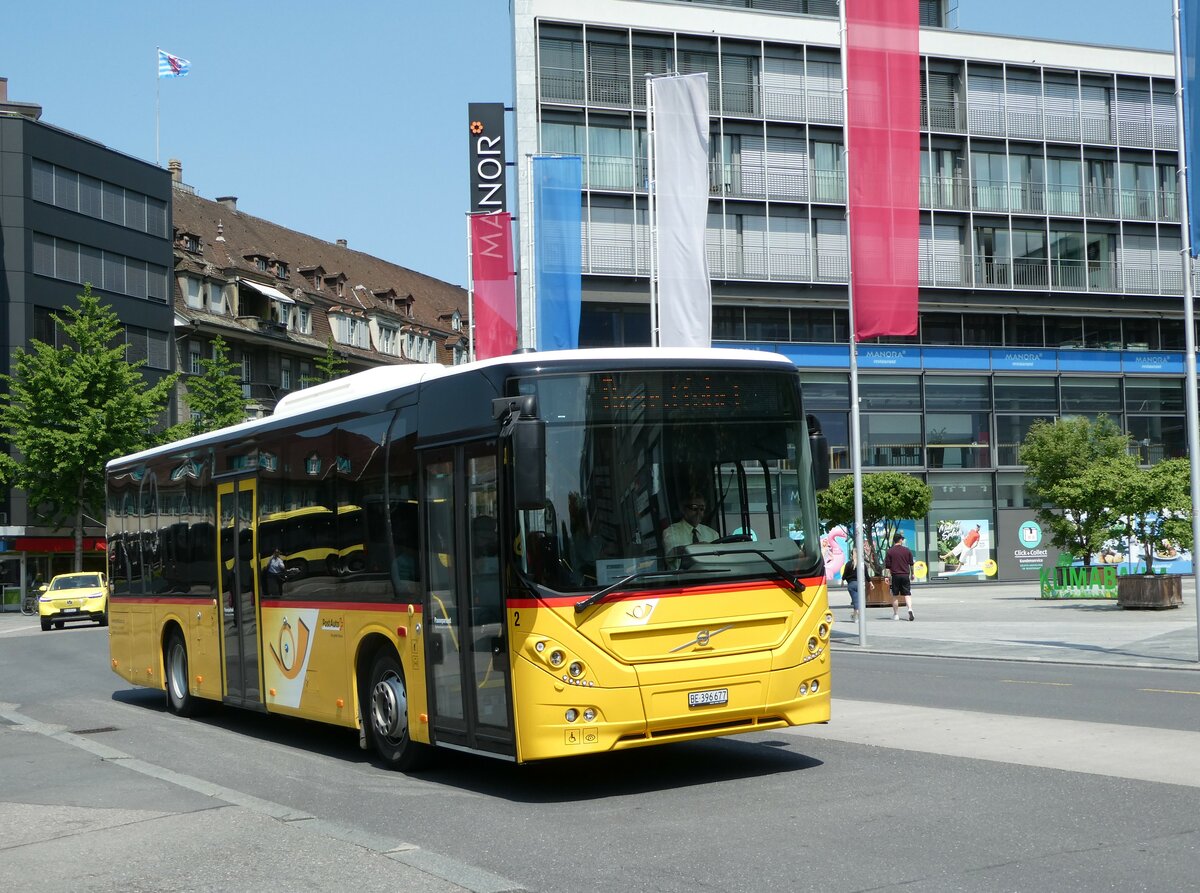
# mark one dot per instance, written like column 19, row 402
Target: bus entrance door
column 468, row 658
column 237, row 565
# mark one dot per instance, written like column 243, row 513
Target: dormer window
column 456, row 321
column 261, row 264
column 191, row 243
column 281, row 270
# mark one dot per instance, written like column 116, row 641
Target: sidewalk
column 1008, row 621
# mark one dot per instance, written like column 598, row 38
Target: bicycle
column 29, row 602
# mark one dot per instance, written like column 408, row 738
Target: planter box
column 1150, row 591
column 879, row 593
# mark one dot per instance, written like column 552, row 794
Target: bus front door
column 237, row 565
column 467, row 641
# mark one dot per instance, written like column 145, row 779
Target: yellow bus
column 554, row 554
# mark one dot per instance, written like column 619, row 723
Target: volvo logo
column 702, row 638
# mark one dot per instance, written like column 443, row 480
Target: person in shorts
column 897, row 564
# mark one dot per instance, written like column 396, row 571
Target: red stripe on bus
column 629, row 595
column 348, row 606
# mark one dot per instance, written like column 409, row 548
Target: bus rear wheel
column 387, row 716
column 180, row 700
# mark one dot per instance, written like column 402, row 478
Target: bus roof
column 382, row 379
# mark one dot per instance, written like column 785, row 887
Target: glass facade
column 1049, row 264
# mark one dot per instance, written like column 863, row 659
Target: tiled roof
column 433, row 300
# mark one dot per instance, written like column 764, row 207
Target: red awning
column 56, row 544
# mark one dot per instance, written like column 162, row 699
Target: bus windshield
column 681, row 477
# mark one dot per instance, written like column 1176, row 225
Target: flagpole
column 470, row 295
column 651, row 228
column 531, row 268
column 1189, row 333
column 157, row 87
column 855, row 421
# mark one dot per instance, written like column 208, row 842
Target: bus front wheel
column 180, row 700
column 387, row 714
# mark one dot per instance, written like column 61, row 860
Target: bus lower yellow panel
column 760, row 661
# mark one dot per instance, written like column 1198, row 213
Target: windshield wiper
column 793, row 580
column 597, row 596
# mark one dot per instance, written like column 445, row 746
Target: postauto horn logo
column 1029, row 535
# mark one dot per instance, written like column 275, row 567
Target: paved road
column 955, row 784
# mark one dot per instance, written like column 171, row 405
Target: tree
column 1157, row 504
column 214, row 396
column 328, row 366
column 888, row 498
column 1076, row 468
column 69, row 410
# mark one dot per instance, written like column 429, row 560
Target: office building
column 1050, row 268
column 74, row 211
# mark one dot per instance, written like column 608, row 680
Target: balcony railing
column 946, row 193
column 729, row 259
column 943, row 116
column 828, row 186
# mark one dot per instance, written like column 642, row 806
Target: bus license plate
column 714, row 697
column 70, row 610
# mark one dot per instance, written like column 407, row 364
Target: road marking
column 1034, row 682
column 1169, row 691
column 1169, row 756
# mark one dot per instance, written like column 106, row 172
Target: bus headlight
column 539, row 647
column 572, row 714
column 576, row 669
column 813, row 644
column 589, row 714
column 557, row 658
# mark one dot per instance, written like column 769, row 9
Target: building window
column 281, row 270
column 285, row 373
column 306, row 374
column 216, row 297
column 260, row 263
column 285, row 315
column 191, row 243
column 195, row 355
column 195, row 293
column 387, row 340
column 303, row 321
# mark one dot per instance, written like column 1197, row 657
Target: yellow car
column 70, row 597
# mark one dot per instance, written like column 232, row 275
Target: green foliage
column 1156, row 503
column 328, row 366
column 888, row 497
column 68, row 411
column 1076, row 469
column 214, row 396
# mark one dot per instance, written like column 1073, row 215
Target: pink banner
column 495, row 294
column 884, row 120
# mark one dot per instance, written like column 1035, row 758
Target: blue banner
column 558, row 238
column 1189, row 37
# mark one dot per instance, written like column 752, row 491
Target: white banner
column 681, row 205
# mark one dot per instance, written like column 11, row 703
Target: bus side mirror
column 527, row 438
column 818, row 448
column 529, row 463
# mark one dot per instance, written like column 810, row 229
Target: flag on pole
column 557, row 236
column 494, row 303
column 1189, row 40
column 883, row 109
column 172, row 66
column 681, row 205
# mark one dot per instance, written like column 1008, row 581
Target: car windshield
column 76, row 582
column 699, row 474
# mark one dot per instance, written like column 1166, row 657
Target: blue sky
column 348, row 120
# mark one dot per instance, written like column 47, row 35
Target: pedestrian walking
column 897, row 565
column 850, row 576
column 276, row 570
